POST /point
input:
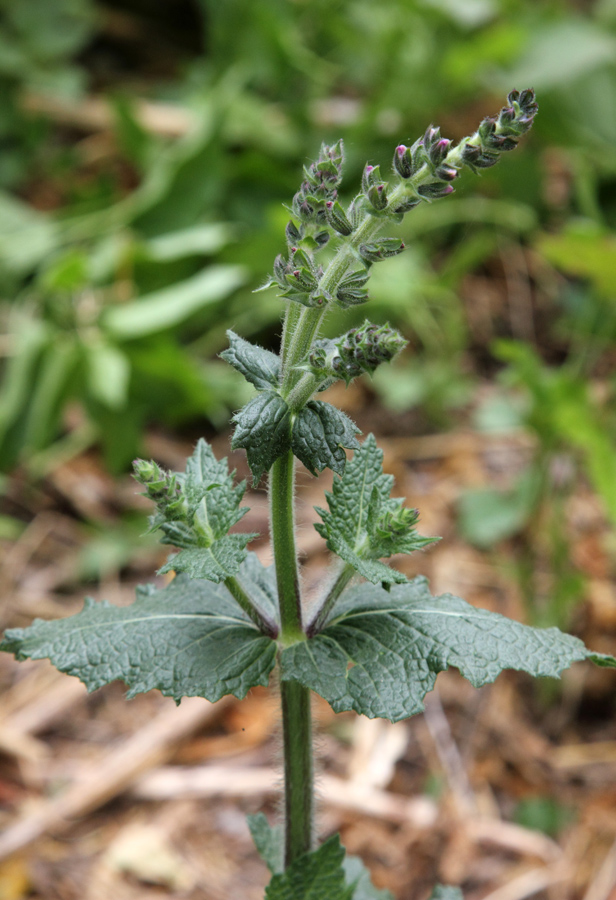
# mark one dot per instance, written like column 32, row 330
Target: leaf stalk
column 263, row 622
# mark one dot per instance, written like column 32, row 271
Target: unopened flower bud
column 377, row 195
column 355, row 279
column 280, row 268
column 302, row 278
column 381, row 249
column 471, row 153
column 434, row 189
column 397, row 521
column 351, row 296
column 446, row 173
column 337, row 218
column 160, row 486
column 371, row 175
column 406, row 205
column 292, row 233
column 506, row 115
column 439, row 150
column 403, row 163
column 351, row 290
column 486, row 128
column 148, row 472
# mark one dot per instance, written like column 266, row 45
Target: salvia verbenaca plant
column 374, row 641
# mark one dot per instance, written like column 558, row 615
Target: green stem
column 288, row 330
column 261, row 619
column 345, row 574
column 282, row 526
column 295, row 698
column 298, row 769
column 306, row 328
column 302, row 392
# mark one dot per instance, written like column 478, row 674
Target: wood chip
column 116, row 771
column 175, row 782
column 529, row 883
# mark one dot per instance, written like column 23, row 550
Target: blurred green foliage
column 126, row 252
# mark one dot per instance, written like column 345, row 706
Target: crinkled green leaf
column 355, row 527
column 260, row 367
column 263, row 429
column 313, row 876
column 358, row 877
column 187, row 640
column 214, row 563
column 211, row 493
column 320, row 432
column 195, row 510
column 269, row 841
column 381, row 652
column 260, row 582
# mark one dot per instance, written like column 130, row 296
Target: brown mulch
column 104, row 798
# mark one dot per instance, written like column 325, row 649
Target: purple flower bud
column 434, row 189
column 337, row 218
column 432, row 134
column 527, row 97
column 377, row 195
column 507, row 115
column 447, row 173
column 407, row 205
column 380, row 249
column 438, row 151
column 403, row 161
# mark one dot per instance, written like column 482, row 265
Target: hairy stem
column 288, row 330
column 302, row 392
column 306, row 329
column 295, row 698
column 282, row 526
column 345, row 574
column 298, row 770
column 261, row 619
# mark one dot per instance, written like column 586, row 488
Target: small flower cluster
column 422, row 172
column 358, row 351
column 436, row 156
column 396, row 522
column 498, row 134
column 161, row 487
column 310, row 229
column 430, row 151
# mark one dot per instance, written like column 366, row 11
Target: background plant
column 259, row 105
column 225, row 622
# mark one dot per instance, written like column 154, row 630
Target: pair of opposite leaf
column 377, row 653
column 267, row 427
column 196, row 509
